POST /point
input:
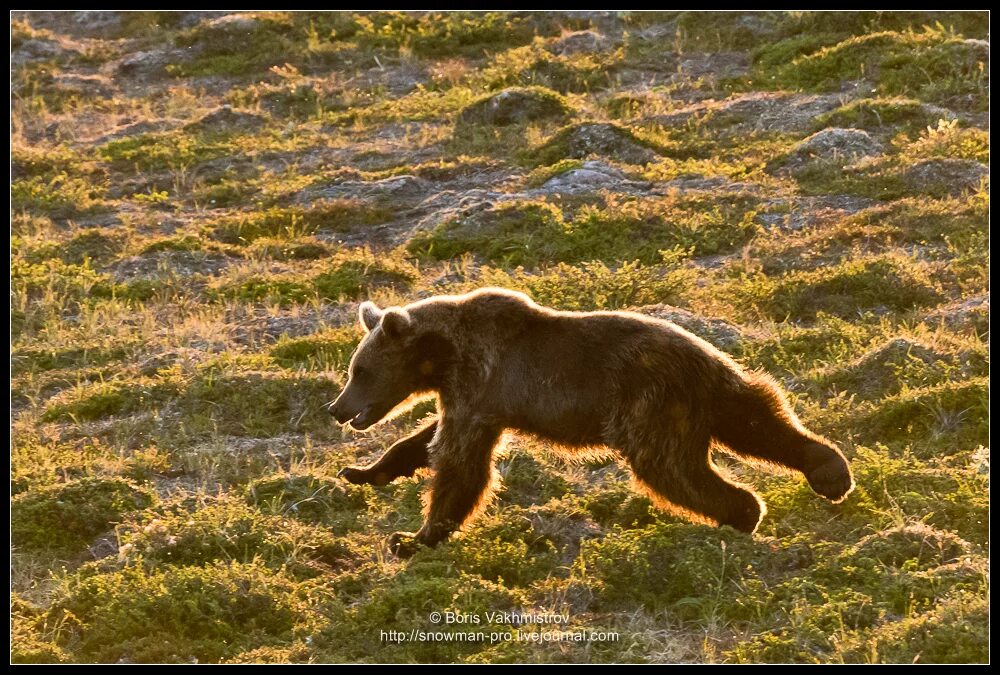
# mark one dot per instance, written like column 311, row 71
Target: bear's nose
column 331, row 408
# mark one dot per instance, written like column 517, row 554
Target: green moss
column 226, row 193
column 328, row 350
column 313, row 499
column 957, row 410
column 843, row 290
column 230, row 402
column 442, row 34
column 619, row 504
column 183, row 242
column 66, row 517
column 301, row 248
column 723, row 31
column 956, row 631
column 881, row 114
column 168, row 151
column 96, row 245
column 592, row 285
column 934, row 66
column 578, row 141
column 527, row 480
column 338, row 215
column 404, row 601
column 506, row 549
column 515, row 105
column 226, row 530
column 692, row 571
column 31, row 161
column 536, row 67
column 176, row 614
column 531, row 233
column 103, row 399
column 947, row 139
column 354, row 277
column 58, row 196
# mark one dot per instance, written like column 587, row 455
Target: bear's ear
column 370, row 315
column 396, row 322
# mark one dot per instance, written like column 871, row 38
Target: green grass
column 184, row 305
column 933, row 65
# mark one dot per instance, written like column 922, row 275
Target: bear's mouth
column 362, row 420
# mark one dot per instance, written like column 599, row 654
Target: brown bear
column 643, row 387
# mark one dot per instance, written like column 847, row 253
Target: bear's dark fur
column 645, row 388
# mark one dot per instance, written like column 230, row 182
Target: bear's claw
column 403, row 544
column 832, row 479
column 352, row 474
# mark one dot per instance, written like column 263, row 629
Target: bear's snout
column 338, row 412
column 358, row 419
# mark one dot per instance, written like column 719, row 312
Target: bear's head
column 397, row 359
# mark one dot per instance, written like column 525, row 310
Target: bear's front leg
column 462, row 459
column 401, row 460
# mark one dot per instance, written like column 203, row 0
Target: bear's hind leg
column 758, row 422
column 689, row 481
column 402, row 459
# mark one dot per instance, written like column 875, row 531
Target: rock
column 98, row 23
column 760, row 111
column 230, row 26
column 972, row 315
column 164, row 264
column 715, row 65
column 580, row 42
column 720, row 333
column 393, row 81
column 842, row 146
column 92, row 86
column 227, row 120
column 466, row 207
column 591, row 177
column 944, row 176
column 151, row 63
column 396, row 190
column 608, row 140
column 514, row 106
column 192, row 19
column 137, row 129
column 39, row 49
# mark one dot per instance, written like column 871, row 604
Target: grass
column 934, row 65
column 184, row 304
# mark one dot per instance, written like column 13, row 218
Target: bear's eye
column 360, row 374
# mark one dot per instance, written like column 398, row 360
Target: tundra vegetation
column 200, row 200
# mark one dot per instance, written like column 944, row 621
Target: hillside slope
column 200, row 201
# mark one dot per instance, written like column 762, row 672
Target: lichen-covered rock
column 591, row 176
column 514, row 106
column 838, row 144
column 944, row 176
column 580, row 42
column 763, row 111
column 581, row 141
column 971, row 315
column 225, row 120
column 830, row 146
column 152, row 63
